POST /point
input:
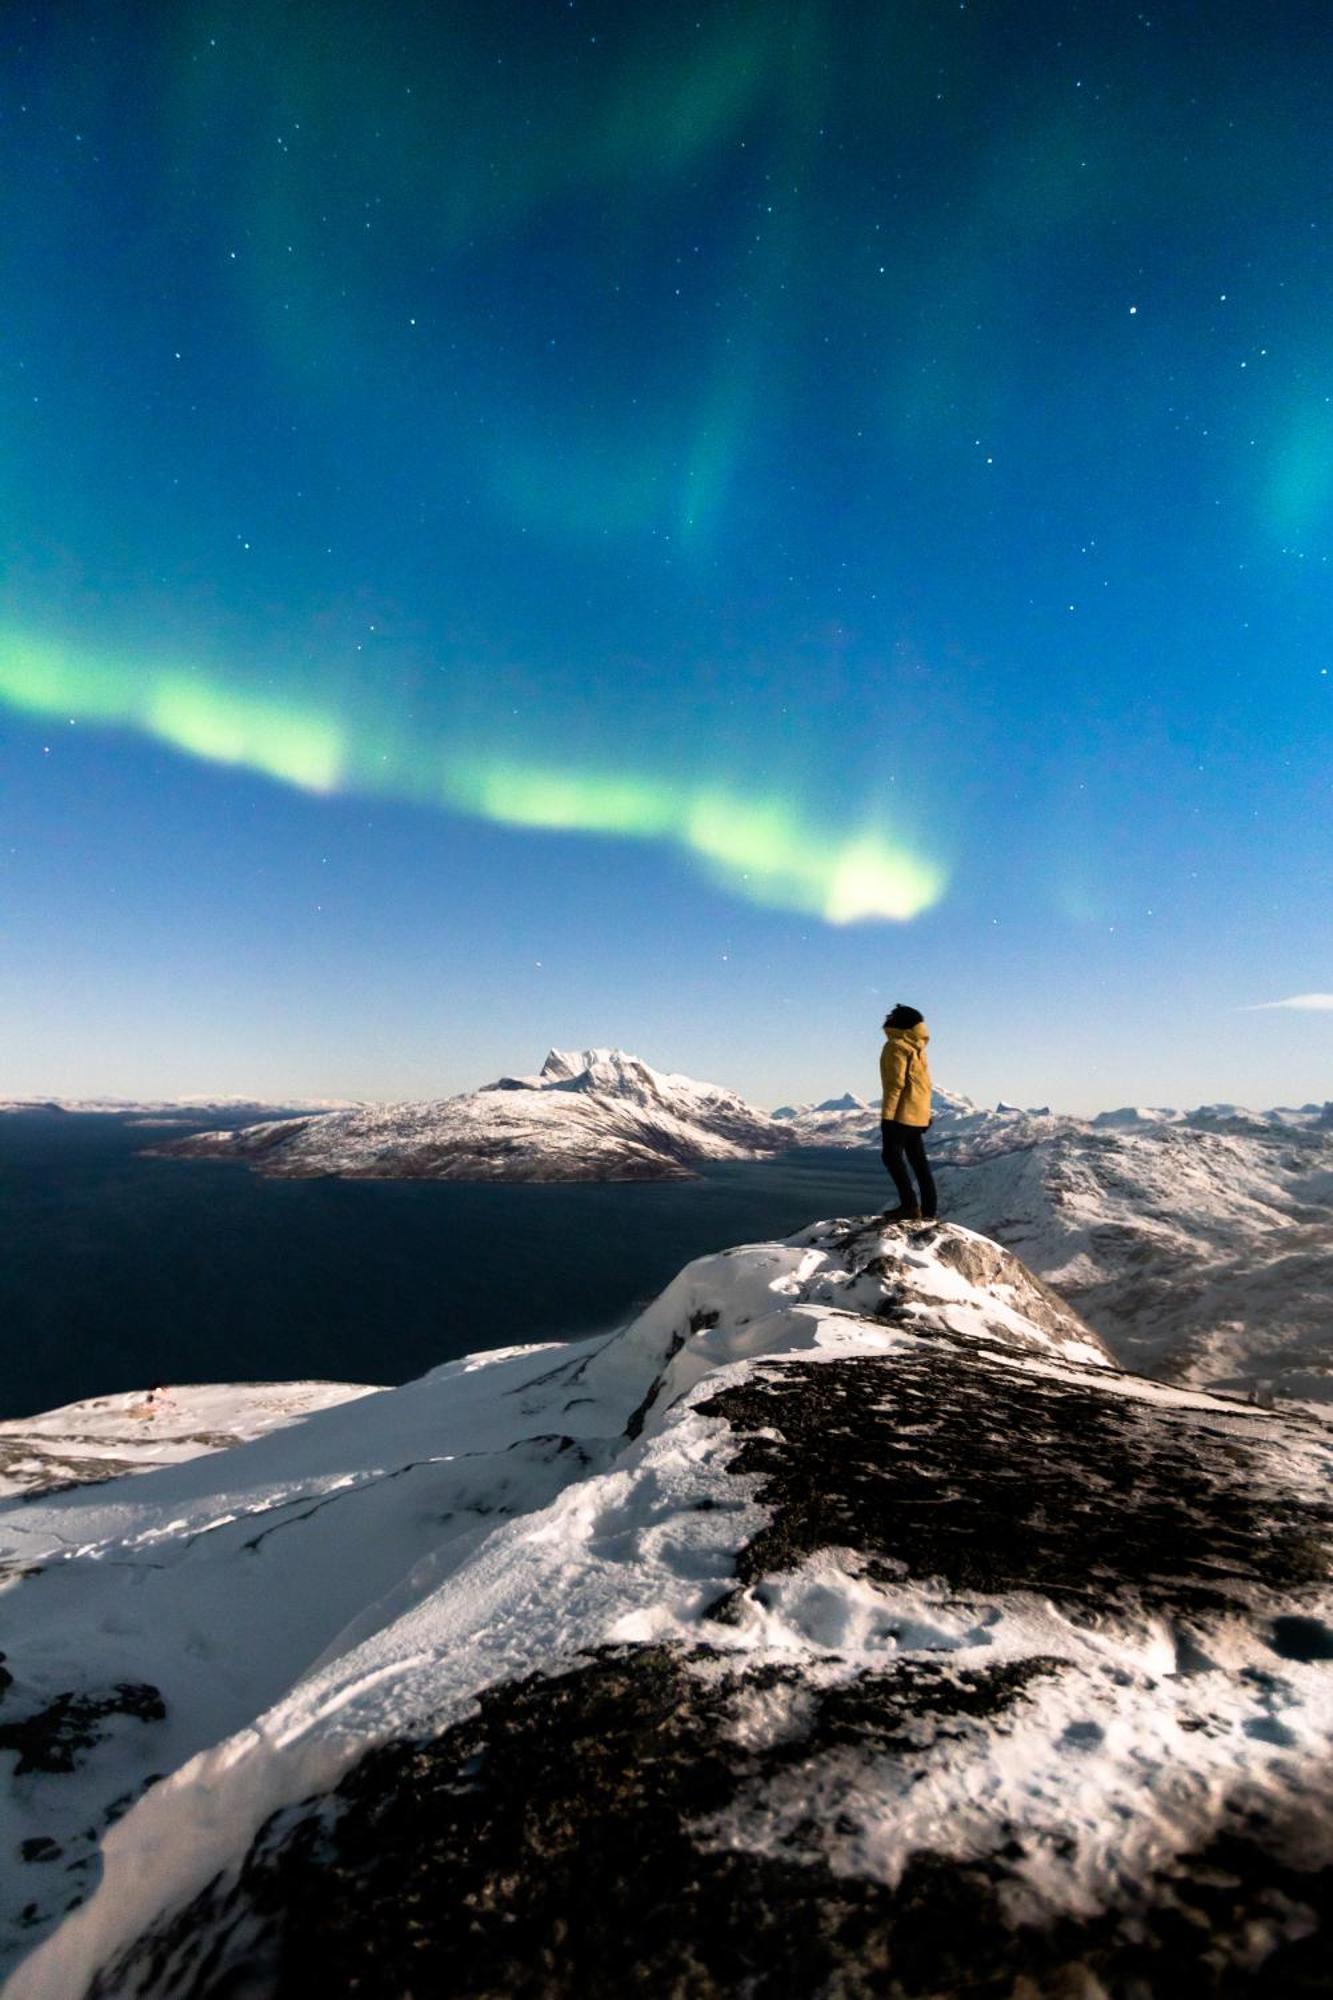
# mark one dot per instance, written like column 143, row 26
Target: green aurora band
column 764, row 850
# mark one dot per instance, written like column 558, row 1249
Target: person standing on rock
column 905, row 1075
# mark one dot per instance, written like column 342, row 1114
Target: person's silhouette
column 905, row 1075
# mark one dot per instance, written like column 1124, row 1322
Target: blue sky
column 675, row 527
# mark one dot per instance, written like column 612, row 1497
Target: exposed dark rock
column 1298, row 1638
column 39, row 1467
column 558, row 1846
column 57, row 1737
column 699, row 1321
column 999, row 1478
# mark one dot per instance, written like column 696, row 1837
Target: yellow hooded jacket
column 905, row 1075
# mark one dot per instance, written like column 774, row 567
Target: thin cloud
column 1302, row 1003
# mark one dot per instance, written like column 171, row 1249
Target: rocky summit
column 848, row 1623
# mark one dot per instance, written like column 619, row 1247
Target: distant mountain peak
column 588, row 1114
column 601, row 1069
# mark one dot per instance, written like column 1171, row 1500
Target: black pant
column 905, row 1145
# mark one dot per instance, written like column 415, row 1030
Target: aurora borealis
column 669, row 526
column 763, row 851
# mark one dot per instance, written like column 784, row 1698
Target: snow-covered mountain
column 847, row 1623
column 597, row 1115
column 850, row 1121
column 847, row 1103
column 1198, row 1243
column 1200, row 1249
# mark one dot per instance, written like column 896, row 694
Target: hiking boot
column 901, row 1214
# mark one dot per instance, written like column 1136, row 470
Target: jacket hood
column 918, row 1035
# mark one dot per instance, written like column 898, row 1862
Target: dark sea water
column 117, row 1271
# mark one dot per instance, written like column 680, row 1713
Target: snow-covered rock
column 846, row 1623
column 1128, row 1116
column 599, row 1115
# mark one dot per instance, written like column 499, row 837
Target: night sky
column 668, row 526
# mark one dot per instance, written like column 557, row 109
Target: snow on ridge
column 616, row 1073
column 872, row 1504
column 106, row 1436
column 851, row 1121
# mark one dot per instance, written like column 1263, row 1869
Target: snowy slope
column 110, row 1435
column 846, row 1610
column 1200, row 1251
column 596, row 1115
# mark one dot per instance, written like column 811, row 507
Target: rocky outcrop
column 561, row 1843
